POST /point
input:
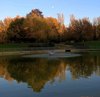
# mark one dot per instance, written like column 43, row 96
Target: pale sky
column 80, row 8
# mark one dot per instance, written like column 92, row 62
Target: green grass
column 31, row 46
column 23, row 46
column 14, row 46
column 92, row 44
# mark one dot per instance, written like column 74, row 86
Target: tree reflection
column 36, row 72
column 84, row 66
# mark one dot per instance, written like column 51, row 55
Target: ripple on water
column 55, row 55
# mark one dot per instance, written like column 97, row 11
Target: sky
column 79, row 8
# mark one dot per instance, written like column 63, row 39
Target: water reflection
column 36, row 72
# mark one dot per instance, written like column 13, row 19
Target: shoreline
column 30, row 52
column 5, row 53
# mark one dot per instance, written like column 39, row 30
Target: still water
column 50, row 77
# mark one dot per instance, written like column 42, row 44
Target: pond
column 77, row 76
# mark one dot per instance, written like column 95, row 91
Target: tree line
column 36, row 28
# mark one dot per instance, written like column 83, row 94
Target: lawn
column 14, row 46
column 92, row 44
column 25, row 46
column 39, row 46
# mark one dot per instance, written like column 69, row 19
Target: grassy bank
column 24, row 46
column 12, row 47
column 92, row 44
column 40, row 46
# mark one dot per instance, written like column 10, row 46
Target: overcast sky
column 80, row 8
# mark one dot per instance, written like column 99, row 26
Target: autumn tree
column 87, row 29
column 61, row 23
column 16, row 31
column 4, row 25
column 36, row 28
column 35, row 13
column 75, row 29
column 96, row 27
column 80, row 29
column 2, row 37
column 53, row 24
